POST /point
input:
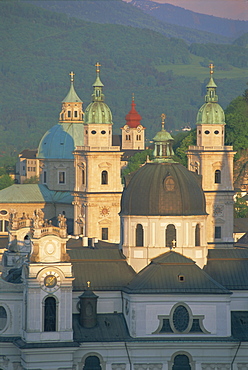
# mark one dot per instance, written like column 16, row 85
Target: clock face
column 50, row 281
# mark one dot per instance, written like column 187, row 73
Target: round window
column 93, row 132
column 103, row 132
column 3, row 212
column 207, row 132
column 216, row 132
column 3, row 317
column 181, row 318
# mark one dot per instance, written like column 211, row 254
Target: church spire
column 133, row 118
column 72, row 96
column 98, row 85
column 211, row 95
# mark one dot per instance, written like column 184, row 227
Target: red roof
column 133, row 118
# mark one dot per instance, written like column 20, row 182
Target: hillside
column 39, row 48
column 119, row 12
column 186, row 18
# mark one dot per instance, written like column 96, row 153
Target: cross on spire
column 211, row 67
column 72, row 74
column 98, row 65
column 163, row 116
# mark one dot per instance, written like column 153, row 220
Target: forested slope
column 39, row 48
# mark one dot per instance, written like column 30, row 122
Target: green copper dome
column 98, row 111
column 163, row 141
column 211, row 112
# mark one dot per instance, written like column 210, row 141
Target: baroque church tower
column 211, row 159
column 133, row 133
column 97, row 164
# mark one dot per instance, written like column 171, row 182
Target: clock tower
column 47, row 278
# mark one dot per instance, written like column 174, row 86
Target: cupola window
column 171, row 236
column 3, row 318
column 69, row 113
column 50, row 314
column 139, row 235
column 197, row 236
column 104, row 177
column 75, row 113
column 217, row 177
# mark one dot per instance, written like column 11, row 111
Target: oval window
column 3, row 212
column 216, row 132
column 93, row 132
column 103, row 132
column 3, row 318
column 207, row 132
column 169, row 184
column 181, row 318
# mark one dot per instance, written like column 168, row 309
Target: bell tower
column 213, row 160
column 98, row 187
column 47, row 278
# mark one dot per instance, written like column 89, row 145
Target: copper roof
column 146, row 193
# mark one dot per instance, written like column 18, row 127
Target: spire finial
column 132, row 97
column 88, row 284
column 211, row 67
column 163, row 116
column 72, row 74
column 98, row 65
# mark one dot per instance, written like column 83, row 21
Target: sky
column 233, row 9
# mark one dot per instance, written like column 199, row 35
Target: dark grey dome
column 166, row 189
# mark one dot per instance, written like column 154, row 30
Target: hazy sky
column 235, row 9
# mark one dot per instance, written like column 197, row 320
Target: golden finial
column 211, row 67
column 98, row 65
column 133, row 97
column 72, row 76
column 88, row 284
column 163, row 116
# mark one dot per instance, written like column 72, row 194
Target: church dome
column 61, row 140
column 165, row 189
column 98, row 111
column 211, row 112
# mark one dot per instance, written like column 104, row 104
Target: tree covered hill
column 120, row 12
column 39, row 48
column 187, row 18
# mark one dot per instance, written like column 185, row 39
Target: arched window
column 181, row 362
column 197, row 236
column 171, row 236
column 83, row 177
column 92, row 363
column 50, row 315
column 104, row 177
column 139, row 235
column 217, row 177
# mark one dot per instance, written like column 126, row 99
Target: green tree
column 136, row 161
column 240, row 207
column 5, row 181
column 32, row 180
column 181, row 150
